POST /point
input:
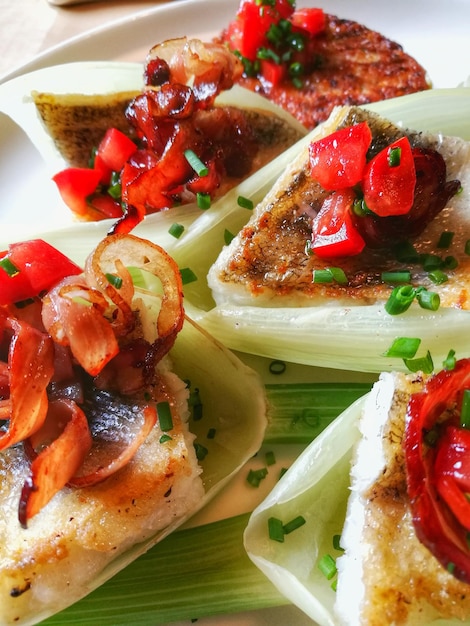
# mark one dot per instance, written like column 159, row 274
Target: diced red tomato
column 105, row 206
column 311, row 20
column 338, row 160
column 389, row 188
column 273, row 73
column 333, row 231
column 39, row 265
column 115, row 149
column 75, row 184
column 438, row 474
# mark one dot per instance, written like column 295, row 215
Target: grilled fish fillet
column 266, row 264
column 386, row 576
column 355, row 65
column 80, row 531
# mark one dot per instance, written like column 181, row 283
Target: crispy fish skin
column 55, row 560
column 77, row 122
column 267, row 263
column 386, row 576
column 355, row 66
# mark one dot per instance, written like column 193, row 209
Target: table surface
column 30, row 26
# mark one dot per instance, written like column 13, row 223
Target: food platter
column 434, row 34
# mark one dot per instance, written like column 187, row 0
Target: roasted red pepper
column 437, row 455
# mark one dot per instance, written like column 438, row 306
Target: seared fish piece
column 268, row 264
column 386, row 575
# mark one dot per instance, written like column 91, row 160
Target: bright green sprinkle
column 9, row 267
column 256, row 476
column 339, row 275
column 405, row 252
column 400, row 299
column 228, row 237
column 327, row 566
column 165, row 438
column 201, row 451
column 321, row 277
column 465, row 409
column 282, row 472
column 399, row 276
column 275, row 529
column 176, row 230
column 115, row 281
column 245, row 203
column 431, row 262
column 428, row 299
column 394, row 157
column 195, row 162
column 203, row 201
column 438, row 277
column 195, row 404
column 164, row 415
column 187, row 275
column 423, row 364
column 403, row 348
column 450, row 360
column 270, row 458
column 337, row 543
column 450, row 262
column 115, row 191
column 445, row 239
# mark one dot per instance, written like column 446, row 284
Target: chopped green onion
column 270, row 458
column 9, row 267
column 187, row 275
column 195, row 162
column 327, row 566
column 450, row 263
column 176, row 230
column 322, row 276
column 228, row 237
column 211, row 433
column 295, row 523
column 445, row 239
column 255, row 477
column 403, row 348
column 400, row 276
column 428, row 299
column 405, row 252
column 165, row 438
column 277, row 367
column 339, row 275
column 296, row 69
column 115, row 281
column 337, row 543
column 465, row 409
column 282, row 472
column 275, row 529
column 164, row 415
column 422, row 364
column 203, row 201
column 467, row 247
column 195, row 404
column 245, row 203
column 431, row 262
column 400, row 299
column 450, row 360
column 201, row 451
column 438, row 277
column 394, row 156
column 115, row 191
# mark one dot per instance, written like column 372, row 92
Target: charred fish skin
column 268, row 264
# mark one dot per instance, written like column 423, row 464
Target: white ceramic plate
column 435, row 33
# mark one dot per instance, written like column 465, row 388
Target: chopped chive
column 194, row 402
column 467, row 247
column 403, row 347
column 164, row 415
column 176, row 230
column 450, row 263
column 400, row 299
column 334, row 584
column 400, row 276
column 406, row 252
column 256, row 476
column 164, row 438
column 270, row 458
column 228, row 237
column 9, row 267
column 245, row 203
column 295, row 523
column 275, row 529
column 195, row 162
column 201, row 451
column 282, row 472
column 339, row 275
column 327, row 566
column 450, row 360
column 465, row 409
column 423, row 364
column 277, row 367
column 438, row 277
column 211, row 433
column 431, row 262
column 428, row 300
column 445, row 239
column 115, row 281
column 337, row 543
column 115, row 191
column 322, row 277
column 203, row 201
column 394, row 156
column 187, row 275
column 450, row 567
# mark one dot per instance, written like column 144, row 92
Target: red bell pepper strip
column 432, row 465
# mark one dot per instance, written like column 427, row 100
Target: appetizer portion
column 308, row 61
column 99, row 374
column 407, row 559
column 367, row 213
column 171, row 144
